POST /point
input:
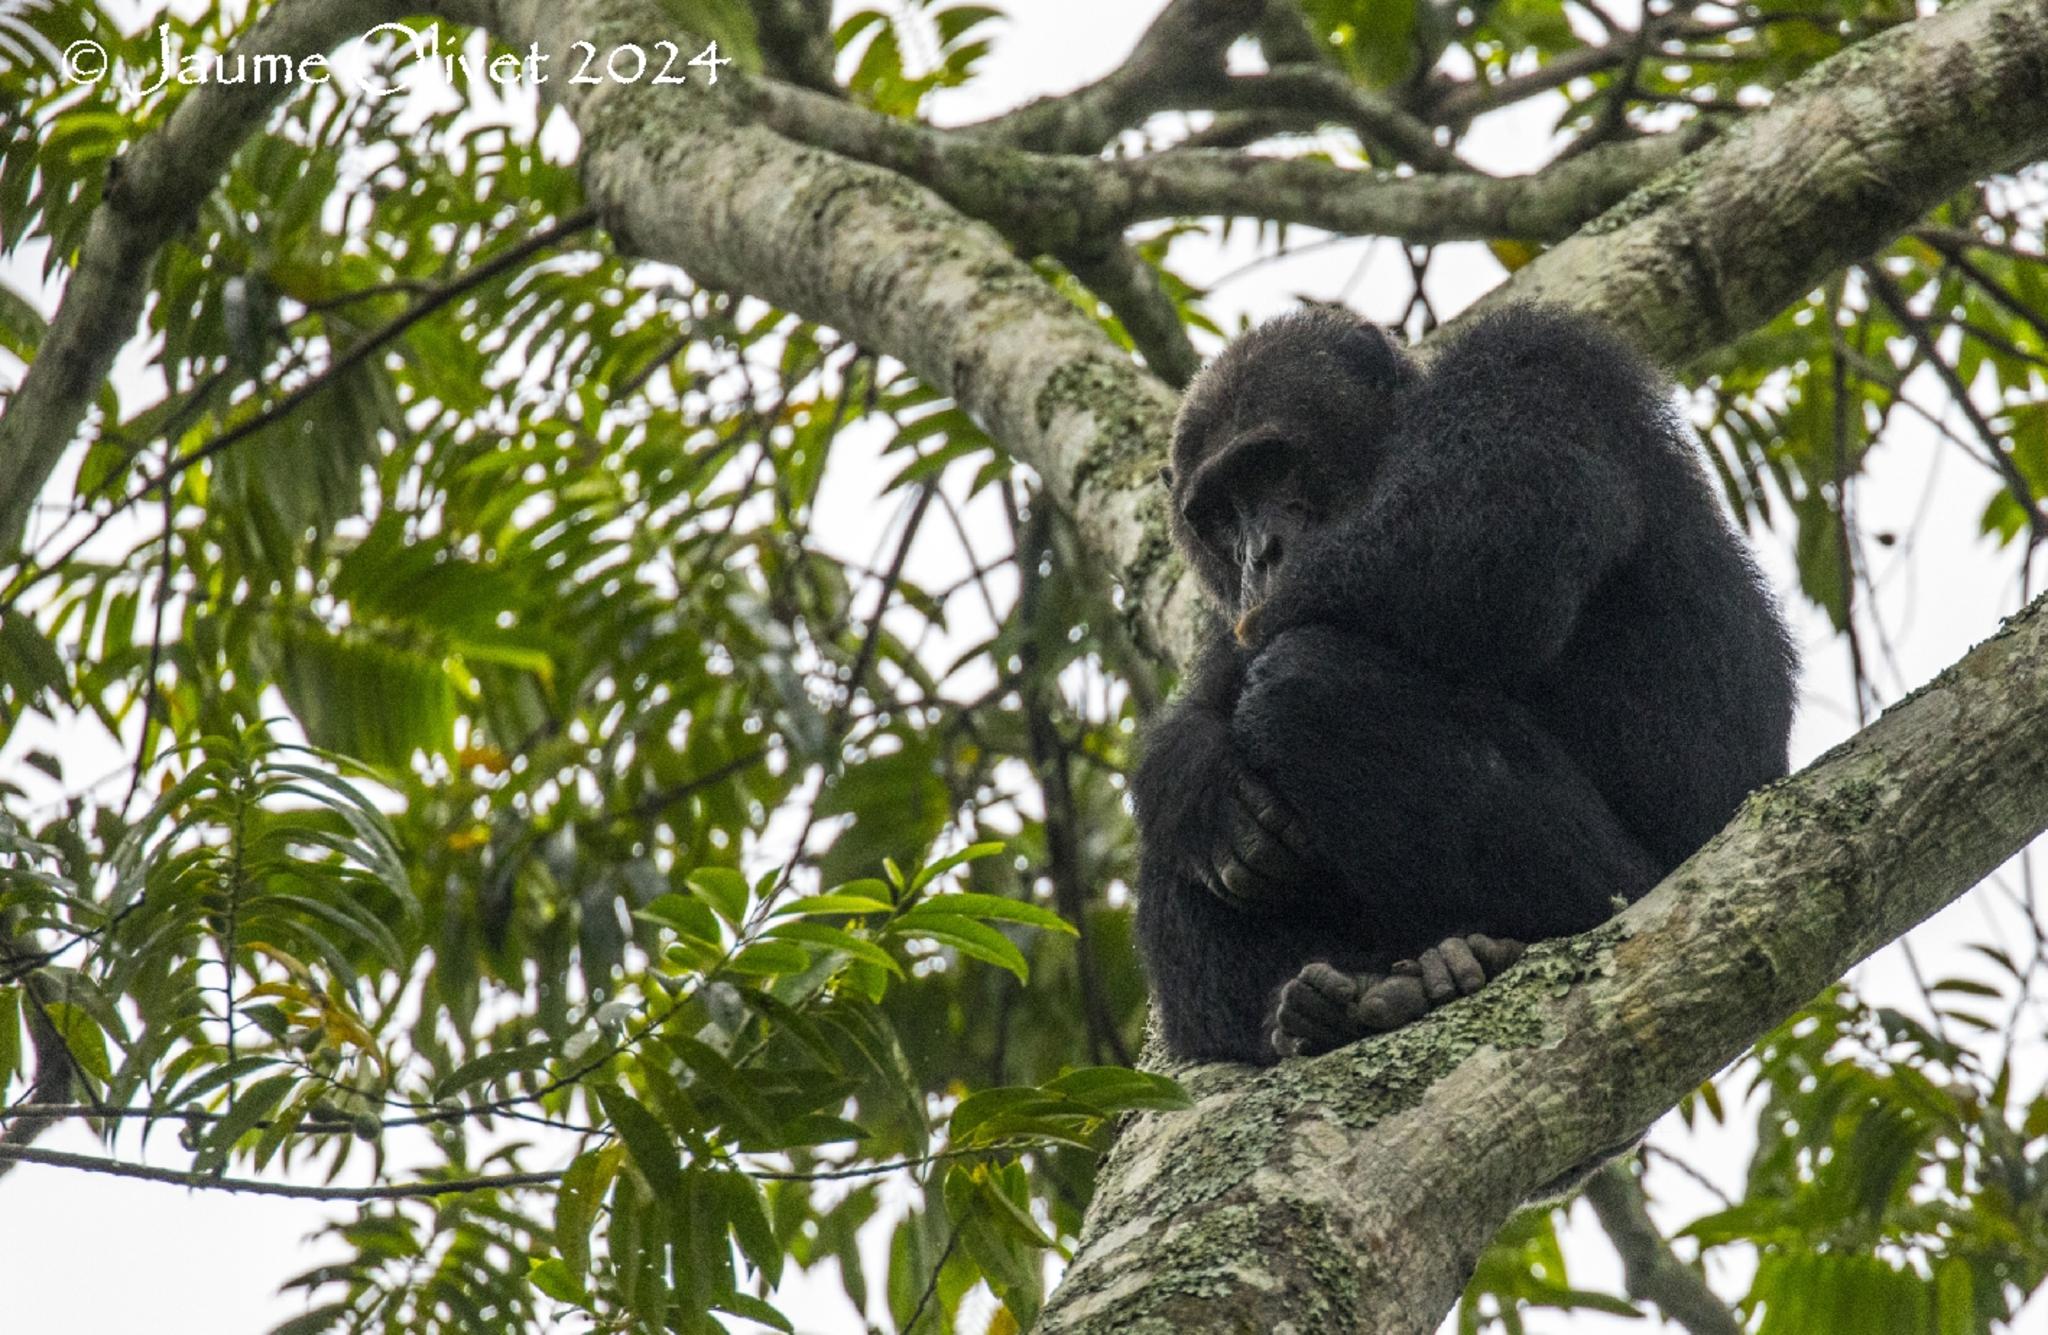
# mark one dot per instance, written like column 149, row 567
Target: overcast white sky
column 198, row 1262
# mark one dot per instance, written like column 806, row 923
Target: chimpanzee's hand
column 1262, row 856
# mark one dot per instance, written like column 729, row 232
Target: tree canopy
column 578, row 581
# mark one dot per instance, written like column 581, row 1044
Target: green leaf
column 767, row 959
column 363, row 696
column 554, row 1278
column 965, row 935
column 971, row 853
column 83, row 1038
column 837, row 902
column 577, row 1198
column 250, row 1106
column 653, row 1151
column 10, row 1033
column 999, row 908
column 683, row 915
column 816, row 1129
column 1119, row 1089
column 719, row 1078
column 1385, row 46
column 1000, row 1235
column 1955, row 1299
column 724, row 888
column 753, row 1309
column 317, row 1321
column 26, row 657
column 989, row 1116
column 832, row 938
column 748, row 1211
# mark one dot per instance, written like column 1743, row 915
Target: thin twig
column 1894, row 301
column 1845, row 541
column 924, row 1300
column 91, row 1163
column 867, row 1170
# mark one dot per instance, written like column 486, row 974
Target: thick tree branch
column 1845, row 159
column 1422, row 210
column 1355, row 1191
column 1052, row 202
column 152, row 194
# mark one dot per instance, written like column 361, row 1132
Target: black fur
column 1510, row 666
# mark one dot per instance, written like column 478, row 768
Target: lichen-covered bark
column 1052, row 202
column 1845, row 159
column 1353, row 1192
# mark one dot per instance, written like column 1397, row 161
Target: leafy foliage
column 1896, row 1183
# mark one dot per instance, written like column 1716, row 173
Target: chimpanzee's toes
column 1315, row 1011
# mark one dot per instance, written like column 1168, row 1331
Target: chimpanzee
column 1492, row 662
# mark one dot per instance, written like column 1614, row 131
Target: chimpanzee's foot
column 1314, row 1013
column 1323, row 1007
column 1457, row 967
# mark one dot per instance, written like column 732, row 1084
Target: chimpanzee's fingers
column 1266, row 857
column 1239, row 883
column 1311, row 1005
column 1436, row 977
column 1273, row 815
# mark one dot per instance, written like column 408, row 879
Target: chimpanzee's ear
column 1374, row 354
column 1166, row 475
